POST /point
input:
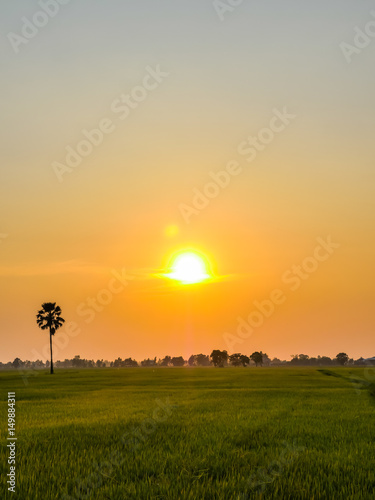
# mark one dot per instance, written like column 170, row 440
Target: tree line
column 217, row 358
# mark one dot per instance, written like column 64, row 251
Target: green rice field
column 191, row 433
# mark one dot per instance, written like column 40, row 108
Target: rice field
column 191, row 433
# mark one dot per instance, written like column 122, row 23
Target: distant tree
column 67, row 363
column 219, row 358
column 342, row 358
column 166, row 361
column 265, row 358
column 235, row 359
column 50, row 317
column 129, row 363
column 39, row 364
column 117, row 363
column 324, row 360
column 192, row 360
column 148, row 362
column 300, row 359
column 100, row 363
column 77, row 362
column 359, row 362
column 245, row 360
column 276, row 361
column 202, row 360
column 17, row 363
column 257, row 358
column 178, row 361
column 303, row 359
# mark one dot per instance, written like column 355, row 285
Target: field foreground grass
column 191, row 433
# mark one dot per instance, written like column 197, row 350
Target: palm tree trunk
column 50, row 343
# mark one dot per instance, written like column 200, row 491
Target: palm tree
column 49, row 317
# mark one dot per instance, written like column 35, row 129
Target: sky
column 132, row 130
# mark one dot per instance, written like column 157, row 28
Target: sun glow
column 189, row 267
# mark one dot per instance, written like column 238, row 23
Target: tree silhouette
column 342, row 358
column 129, row 362
column 192, row 360
column 199, row 360
column 238, row 359
column 219, row 358
column 17, row 363
column 245, row 360
column 49, row 317
column 265, row 358
column 166, row 361
column 202, row 360
column 149, row 362
column 257, row 357
column 235, row 359
column 178, row 361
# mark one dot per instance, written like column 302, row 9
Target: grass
column 180, row 433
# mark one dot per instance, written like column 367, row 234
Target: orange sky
column 262, row 96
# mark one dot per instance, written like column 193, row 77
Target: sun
column 189, row 267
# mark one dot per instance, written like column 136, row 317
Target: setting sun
column 188, row 267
